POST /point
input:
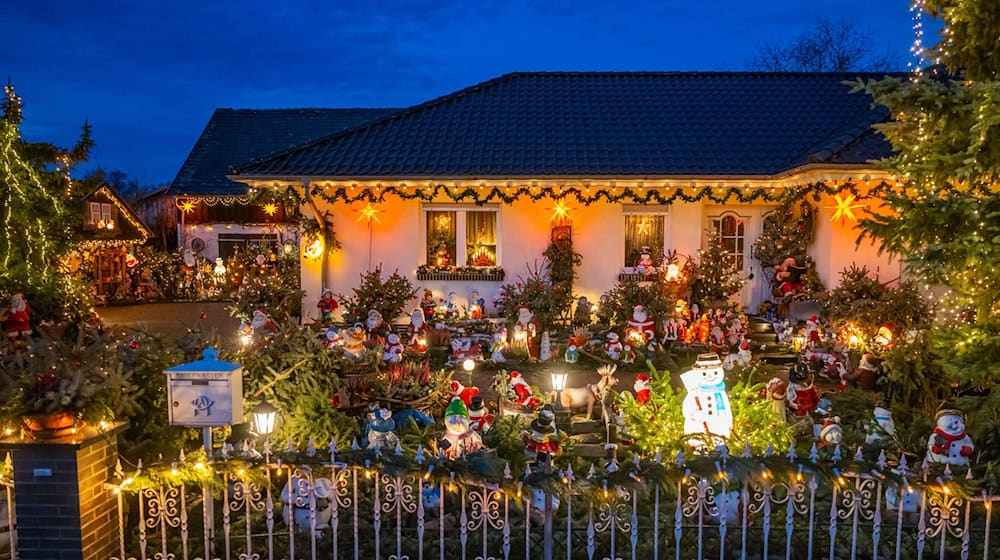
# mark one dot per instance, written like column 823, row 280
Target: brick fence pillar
column 61, row 508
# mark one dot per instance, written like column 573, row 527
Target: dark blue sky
column 148, row 74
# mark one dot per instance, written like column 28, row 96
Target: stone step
column 581, row 426
column 764, row 337
column 760, row 326
column 591, row 450
column 778, row 358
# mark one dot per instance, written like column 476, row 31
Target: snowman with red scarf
column 949, row 443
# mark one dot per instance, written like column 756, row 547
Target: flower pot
column 50, row 426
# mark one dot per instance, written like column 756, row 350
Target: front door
column 737, row 228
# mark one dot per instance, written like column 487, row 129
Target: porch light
column 264, row 415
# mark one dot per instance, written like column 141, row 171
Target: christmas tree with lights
column 37, row 217
column 717, row 276
column 786, row 233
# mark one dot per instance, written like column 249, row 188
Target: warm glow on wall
column 369, row 213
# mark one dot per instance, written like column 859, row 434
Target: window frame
column 743, row 254
column 641, row 210
column 461, row 247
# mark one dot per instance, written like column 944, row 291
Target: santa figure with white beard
column 418, row 331
column 640, row 325
column 527, row 329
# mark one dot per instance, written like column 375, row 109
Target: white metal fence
column 324, row 508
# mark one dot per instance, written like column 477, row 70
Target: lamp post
column 264, row 416
column 558, row 385
column 469, row 365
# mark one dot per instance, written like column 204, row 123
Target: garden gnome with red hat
column 463, row 392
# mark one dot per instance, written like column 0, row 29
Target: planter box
column 477, row 276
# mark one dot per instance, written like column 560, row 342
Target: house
column 108, row 237
column 475, row 178
column 214, row 215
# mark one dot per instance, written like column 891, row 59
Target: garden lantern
column 468, row 365
column 264, row 416
column 558, row 384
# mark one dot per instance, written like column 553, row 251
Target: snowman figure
column 706, row 406
column 297, row 503
column 393, row 350
column 498, row 345
column 333, row 338
column 882, row 430
column 572, row 354
column 948, row 443
column 613, row 346
column 380, row 430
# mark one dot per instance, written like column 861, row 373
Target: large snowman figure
column 706, row 405
column 948, row 442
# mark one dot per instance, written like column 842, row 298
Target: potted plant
column 51, row 388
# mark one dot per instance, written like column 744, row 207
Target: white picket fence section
column 331, row 510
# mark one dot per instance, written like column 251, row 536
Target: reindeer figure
column 574, row 398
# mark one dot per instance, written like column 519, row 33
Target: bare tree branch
column 831, row 46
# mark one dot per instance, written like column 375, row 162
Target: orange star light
column 369, row 213
column 845, row 208
column 560, row 213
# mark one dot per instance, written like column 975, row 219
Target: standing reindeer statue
column 576, row 398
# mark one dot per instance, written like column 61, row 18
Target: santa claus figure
column 480, row 418
column 522, row 391
column 18, row 321
column 865, row 376
column 327, row 305
column 375, row 329
column 641, row 388
column 418, row 331
column 949, row 444
column 392, row 352
column 526, row 330
column 640, row 326
column 451, row 309
column 644, row 265
column 428, row 305
column 463, row 392
column 777, row 391
column 802, row 395
column 262, row 322
column 788, row 276
column 613, row 346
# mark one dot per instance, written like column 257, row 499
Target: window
column 230, row 243
column 100, row 214
column 459, row 237
column 732, row 229
column 644, row 229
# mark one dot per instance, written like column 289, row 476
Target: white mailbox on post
column 205, row 393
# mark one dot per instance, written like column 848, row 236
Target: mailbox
column 205, row 393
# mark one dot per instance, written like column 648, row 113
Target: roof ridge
column 277, row 109
column 702, row 73
column 379, row 121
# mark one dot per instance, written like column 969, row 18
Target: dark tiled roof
column 237, row 136
column 591, row 124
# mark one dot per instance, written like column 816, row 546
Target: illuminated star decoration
column 369, row 213
column 643, row 228
column 270, row 209
column 186, row 206
column 560, row 213
column 845, row 208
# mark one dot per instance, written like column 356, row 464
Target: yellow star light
column 186, row 206
column 845, row 208
column 560, row 212
column 270, row 209
column 369, row 213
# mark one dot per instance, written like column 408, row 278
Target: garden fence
column 322, row 508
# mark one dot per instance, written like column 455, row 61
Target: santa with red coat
column 522, row 391
column 463, row 392
column 18, row 320
column 641, row 388
column 641, row 323
column 418, row 331
column 812, row 329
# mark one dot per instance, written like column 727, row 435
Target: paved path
column 172, row 319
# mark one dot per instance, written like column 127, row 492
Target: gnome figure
column 392, row 352
column 459, row 437
column 522, row 391
column 581, row 314
column 949, row 444
column 640, row 326
column 542, row 442
column 641, row 387
column 613, row 346
column 380, row 430
column 428, row 305
column 802, row 395
column 882, row 429
column 327, row 305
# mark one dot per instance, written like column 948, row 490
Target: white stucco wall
column 209, row 233
column 523, row 228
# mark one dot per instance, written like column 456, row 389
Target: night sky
column 149, row 74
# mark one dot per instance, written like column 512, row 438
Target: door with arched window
column 736, row 228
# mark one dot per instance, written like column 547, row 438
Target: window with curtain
column 442, row 241
column 644, row 230
column 481, row 238
column 731, row 230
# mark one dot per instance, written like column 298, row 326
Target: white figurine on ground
column 949, row 443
